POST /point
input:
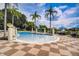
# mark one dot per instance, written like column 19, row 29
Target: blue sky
column 67, row 13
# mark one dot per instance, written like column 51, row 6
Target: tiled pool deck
column 67, row 46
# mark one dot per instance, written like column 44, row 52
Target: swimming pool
column 35, row 38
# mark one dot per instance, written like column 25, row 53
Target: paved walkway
column 65, row 47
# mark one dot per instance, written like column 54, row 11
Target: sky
column 67, row 13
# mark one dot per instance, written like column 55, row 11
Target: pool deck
column 66, row 46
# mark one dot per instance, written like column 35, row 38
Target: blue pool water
column 31, row 37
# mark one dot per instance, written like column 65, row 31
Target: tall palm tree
column 5, row 19
column 14, row 13
column 50, row 13
column 34, row 17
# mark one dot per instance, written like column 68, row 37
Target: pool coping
column 24, row 41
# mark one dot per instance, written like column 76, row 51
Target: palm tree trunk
column 50, row 25
column 5, row 19
column 13, row 19
column 35, row 26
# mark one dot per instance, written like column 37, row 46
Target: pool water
column 35, row 38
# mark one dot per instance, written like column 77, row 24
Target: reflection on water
column 28, row 36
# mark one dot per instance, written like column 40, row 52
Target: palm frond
column 46, row 10
column 46, row 15
column 31, row 14
column 35, row 15
column 1, row 15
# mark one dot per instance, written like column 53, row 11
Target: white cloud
column 70, row 12
column 63, row 7
column 41, row 4
column 59, row 12
column 65, row 20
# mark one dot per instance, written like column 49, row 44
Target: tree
column 20, row 22
column 35, row 16
column 1, row 15
column 1, row 20
column 14, row 13
column 42, row 27
column 12, row 7
column 7, row 16
column 5, row 20
column 30, row 25
column 50, row 13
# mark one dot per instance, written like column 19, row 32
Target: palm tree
column 34, row 17
column 14, row 13
column 50, row 13
column 5, row 20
